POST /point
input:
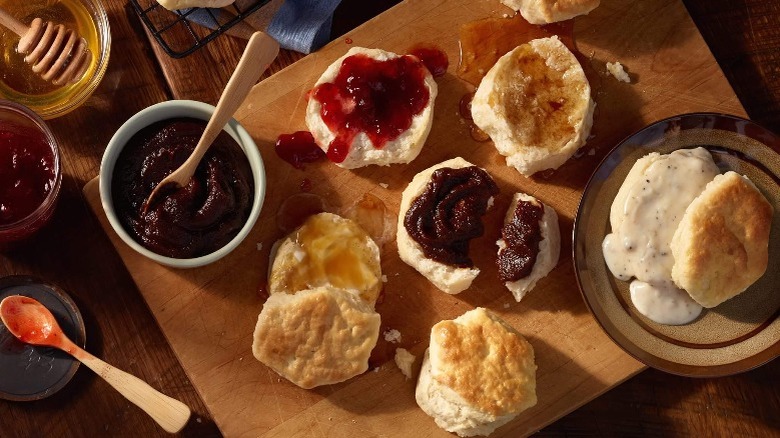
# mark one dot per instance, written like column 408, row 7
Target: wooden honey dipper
column 55, row 53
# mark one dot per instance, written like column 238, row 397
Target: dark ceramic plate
column 736, row 336
column 33, row 373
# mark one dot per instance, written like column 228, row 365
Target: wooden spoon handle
column 258, row 55
column 12, row 23
column 168, row 412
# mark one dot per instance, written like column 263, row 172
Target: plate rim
column 648, row 359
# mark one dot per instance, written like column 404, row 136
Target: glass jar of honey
column 20, row 84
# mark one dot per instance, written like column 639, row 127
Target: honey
column 327, row 250
column 483, row 42
column 17, row 80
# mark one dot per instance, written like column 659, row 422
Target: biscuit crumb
column 199, row 420
column 259, row 246
column 384, row 185
column 404, row 360
column 506, row 306
column 384, row 278
column 393, row 335
column 616, row 69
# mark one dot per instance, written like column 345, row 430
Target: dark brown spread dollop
column 191, row 221
column 448, row 214
column 522, row 236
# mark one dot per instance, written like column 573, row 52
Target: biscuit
column 173, row 5
column 450, row 279
column 477, row 374
column 535, row 105
column 362, row 151
column 316, row 337
column 550, row 11
column 327, row 250
column 721, row 246
column 549, row 246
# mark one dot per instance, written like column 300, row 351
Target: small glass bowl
column 17, row 114
column 67, row 98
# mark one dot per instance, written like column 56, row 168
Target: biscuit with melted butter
column 721, row 246
column 327, row 250
column 535, row 105
column 477, row 375
column 316, row 337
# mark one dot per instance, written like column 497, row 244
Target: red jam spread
column 27, row 172
column 191, row 221
column 435, row 60
column 522, row 236
column 379, row 98
column 298, row 148
column 448, row 214
column 27, row 322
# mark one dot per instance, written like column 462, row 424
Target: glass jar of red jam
column 30, row 173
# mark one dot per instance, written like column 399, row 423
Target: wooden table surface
column 73, row 252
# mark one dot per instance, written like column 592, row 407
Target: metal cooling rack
column 177, row 34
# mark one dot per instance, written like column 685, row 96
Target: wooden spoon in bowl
column 32, row 323
column 258, row 55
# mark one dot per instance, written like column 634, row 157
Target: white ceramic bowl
column 168, row 110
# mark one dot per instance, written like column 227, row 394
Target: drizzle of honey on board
column 483, row 42
column 371, row 214
column 17, row 80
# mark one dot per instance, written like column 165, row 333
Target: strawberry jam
column 298, row 148
column 27, row 172
column 435, row 60
column 379, row 98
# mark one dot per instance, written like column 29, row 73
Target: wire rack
column 178, row 35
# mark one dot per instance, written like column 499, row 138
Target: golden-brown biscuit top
column 316, row 337
column 485, row 361
column 721, row 245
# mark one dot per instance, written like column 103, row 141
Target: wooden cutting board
column 208, row 314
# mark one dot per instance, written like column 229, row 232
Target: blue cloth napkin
column 300, row 25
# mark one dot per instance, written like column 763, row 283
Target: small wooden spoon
column 258, row 55
column 56, row 53
column 32, row 323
